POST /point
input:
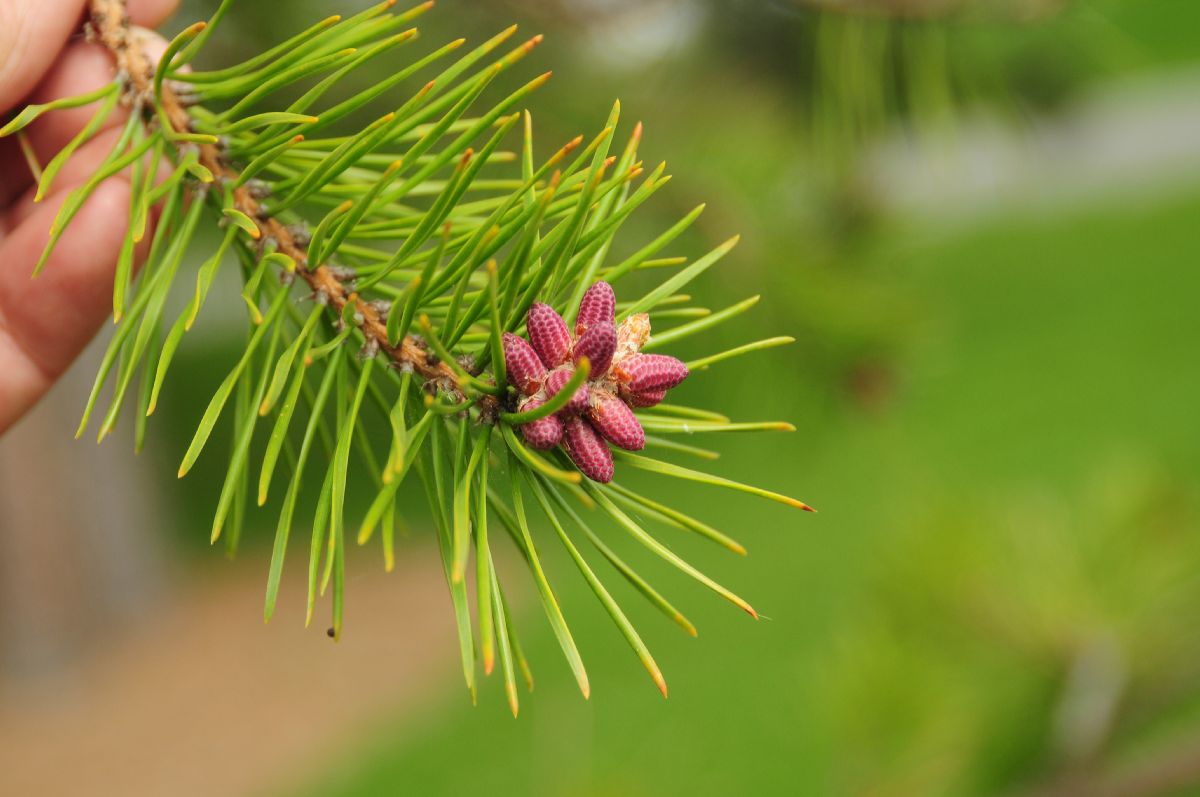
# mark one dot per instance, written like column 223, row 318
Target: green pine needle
column 420, row 237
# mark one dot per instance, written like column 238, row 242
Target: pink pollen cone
column 616, row 422
column 557, row 380
column 548, row 334
column 647, row 372
column 598, row 344
column 598, row 306
column 647, row 398
column 587, row 450
column 525, row 369
column 543, row 433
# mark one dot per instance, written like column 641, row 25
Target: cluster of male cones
column 619, row 378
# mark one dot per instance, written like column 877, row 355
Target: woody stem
column 111, row 24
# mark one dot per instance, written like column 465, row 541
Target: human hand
column 44, row 324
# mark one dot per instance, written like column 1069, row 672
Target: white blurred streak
column 1135, row 139
column 629, row 35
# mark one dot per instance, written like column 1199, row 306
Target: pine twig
column 112, row 27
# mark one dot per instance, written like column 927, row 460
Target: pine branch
column 465, row 299
column 111, row 23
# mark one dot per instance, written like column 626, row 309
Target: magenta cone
column 548, row 334
column 616, row 422
column 555, row 382
column 647, row 398
column 588, row 451
column 647, row 372
column 545, row 432
column 598, row 306
column 525, row 369
column 598, row 344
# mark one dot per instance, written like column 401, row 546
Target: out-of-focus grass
column 1053, row 346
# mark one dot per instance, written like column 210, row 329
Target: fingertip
column 74, row 291
column 153, row 44
column 31, row 36
column 151, row 13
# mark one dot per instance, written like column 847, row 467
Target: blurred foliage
column 1014, row 512
column 1037, row 641
column 804, row 93
column 1025, row 481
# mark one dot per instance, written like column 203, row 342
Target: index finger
column 33, row 33
column 31, row 36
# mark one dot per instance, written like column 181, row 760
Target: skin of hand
column 45, row 323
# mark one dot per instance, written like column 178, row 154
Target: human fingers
column 45, row 323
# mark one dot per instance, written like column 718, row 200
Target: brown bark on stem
column 111, row 26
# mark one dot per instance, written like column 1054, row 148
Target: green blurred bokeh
column 995, row 414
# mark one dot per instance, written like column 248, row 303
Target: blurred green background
column 981, row 222
column 991, row 386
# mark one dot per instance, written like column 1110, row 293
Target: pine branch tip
column 459, row 387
